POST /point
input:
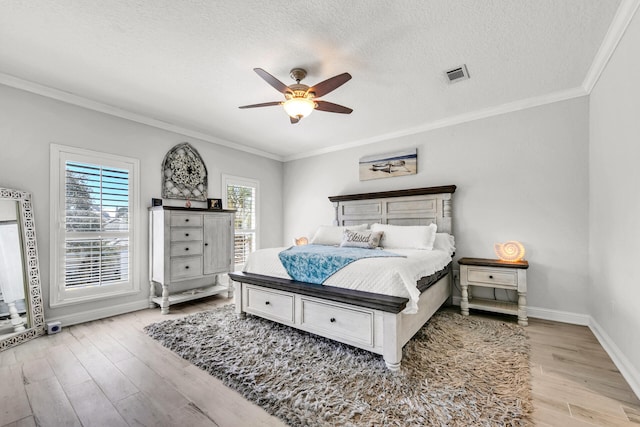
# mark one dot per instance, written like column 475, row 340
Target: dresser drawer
column 337, row 322
column 186, row 267
column 186, row 248
column 180, row 234
column 493, row 276
column 272, row 305
column 186, row 220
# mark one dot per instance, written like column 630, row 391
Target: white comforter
column 388, row 276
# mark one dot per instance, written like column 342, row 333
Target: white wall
column 614, row 223
column 30, row 123
column 521, row 175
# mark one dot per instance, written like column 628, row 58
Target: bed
column 376, row 322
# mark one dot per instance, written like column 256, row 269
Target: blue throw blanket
column 315, row 263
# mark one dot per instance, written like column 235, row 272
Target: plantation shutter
column 242, row 198
column 96, row 225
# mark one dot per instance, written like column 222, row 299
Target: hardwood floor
column 109, row 373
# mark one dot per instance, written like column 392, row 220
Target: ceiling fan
column 300, row 99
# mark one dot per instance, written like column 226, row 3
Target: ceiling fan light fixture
column 299, row 107
column 301, row 99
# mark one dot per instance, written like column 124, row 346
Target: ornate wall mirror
column 21, row 308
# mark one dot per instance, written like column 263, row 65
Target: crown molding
column 89, row 104
column 621, row 21
column 510, row 107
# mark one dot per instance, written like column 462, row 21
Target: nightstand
column 496, row 274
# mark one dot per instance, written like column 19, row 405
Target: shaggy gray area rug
column 455, row 371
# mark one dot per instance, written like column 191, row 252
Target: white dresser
column 188, row 250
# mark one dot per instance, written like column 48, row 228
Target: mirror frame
column 31, row 270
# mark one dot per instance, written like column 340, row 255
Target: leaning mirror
column 21, row 310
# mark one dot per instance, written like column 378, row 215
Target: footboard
column 365, row 320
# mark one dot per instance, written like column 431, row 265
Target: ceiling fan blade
column 264, row 104
column 328, row 85
column 332, row 108
column 294, row 120
column 277, row 84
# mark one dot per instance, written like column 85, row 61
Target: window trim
column 243, row 181
column 59, row 295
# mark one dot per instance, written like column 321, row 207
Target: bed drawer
column 337, row 322
column 493, row 276
column 270, row 304
column 186, row 267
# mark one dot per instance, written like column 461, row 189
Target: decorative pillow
column 361, row 239
column 445, row 242
column 406, row 236
column 331, row 235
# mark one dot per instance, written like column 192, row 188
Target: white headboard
column 416, row 206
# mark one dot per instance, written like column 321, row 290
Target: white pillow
column 366, row 239
column 445, row 242
column 406, row 236
column 331, row 235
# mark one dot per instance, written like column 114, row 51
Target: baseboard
column 101, row 313
column 626, row 368
column 558, row 316
column 547, row 314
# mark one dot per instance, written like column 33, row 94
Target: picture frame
column 214, row 203
column 386, row 165
column 156, row 202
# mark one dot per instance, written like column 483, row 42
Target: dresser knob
column 490, row 276
column 186, row 234
column 332, row 320
column 186, row 249
column 267, row 303
column 206, row 244
column 186, row 266
column 186, row 220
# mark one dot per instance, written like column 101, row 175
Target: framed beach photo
column 214, row 203
column 397, row 163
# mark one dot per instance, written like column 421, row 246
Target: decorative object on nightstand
column 496, row 274
column 509, row 251
column 301, row 241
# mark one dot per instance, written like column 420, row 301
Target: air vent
column 457, row 74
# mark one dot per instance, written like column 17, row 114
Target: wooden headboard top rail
column 395, row 193
column 417, row 206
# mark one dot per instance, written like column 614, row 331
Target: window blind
column 243, row 199
column 96, row 244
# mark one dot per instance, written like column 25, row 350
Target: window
column 93, row 230
column 241, row 194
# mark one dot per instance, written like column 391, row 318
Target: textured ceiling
column 189, row 63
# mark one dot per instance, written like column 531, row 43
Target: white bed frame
column 369, row 321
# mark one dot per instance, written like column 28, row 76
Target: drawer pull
column 490, row 276
column 186, row 266
column 186, row 234
column 206, row 244
column 267, row 303
column 332, row 320
column 186, row 249
column 186, row 220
